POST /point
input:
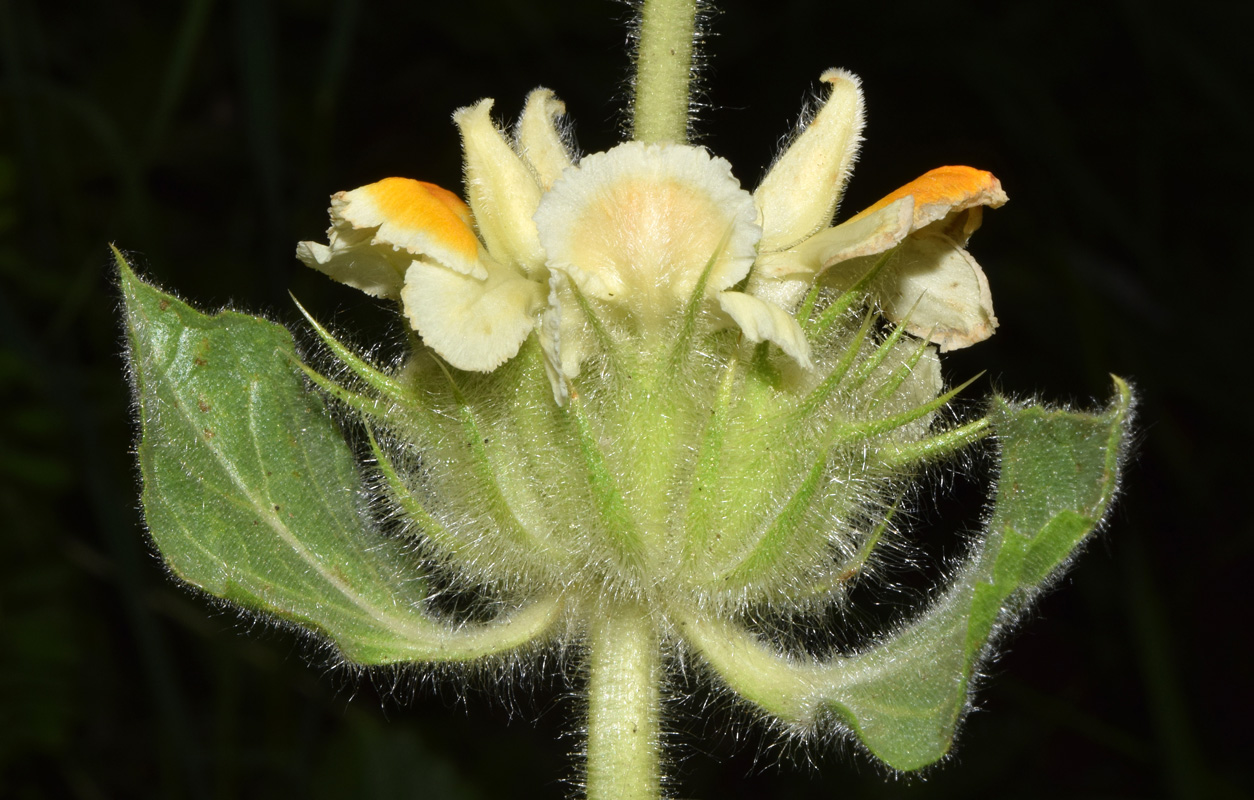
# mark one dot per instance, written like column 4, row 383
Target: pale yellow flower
column 632, row 232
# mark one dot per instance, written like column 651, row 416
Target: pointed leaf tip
column 905, row 697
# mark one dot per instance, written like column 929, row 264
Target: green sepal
column 905, row 697
column 251, row 493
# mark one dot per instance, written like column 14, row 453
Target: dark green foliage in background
column 205, row 137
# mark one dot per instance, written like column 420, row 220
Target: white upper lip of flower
column 637, row 227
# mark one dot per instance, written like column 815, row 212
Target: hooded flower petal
column 639, row 224
column 951, row 196
column 502, row 190
column 799, row 195
column 540, row 141
column 473, row 324
column 928, row 220
column 930, row 272
column 378, row 229
column 943, row 194
column 766, row 322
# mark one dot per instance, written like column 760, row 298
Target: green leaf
column 251, row 493
column 905, row 697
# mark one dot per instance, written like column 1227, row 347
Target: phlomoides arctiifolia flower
column 643, row 408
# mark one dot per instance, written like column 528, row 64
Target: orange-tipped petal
column 378, row 230
column 419, row 218
column 928, row 220
column 945, row 191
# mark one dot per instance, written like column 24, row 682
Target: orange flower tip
column 967, row 185
column 417, row 217
column 944, row 191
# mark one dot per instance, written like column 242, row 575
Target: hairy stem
column 663, row 70
column 624, row 705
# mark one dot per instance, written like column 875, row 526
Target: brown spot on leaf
column 202, row 352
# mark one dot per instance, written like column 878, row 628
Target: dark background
column 205, row 137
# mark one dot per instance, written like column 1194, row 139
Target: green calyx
column 691, row 477
column 688, row 468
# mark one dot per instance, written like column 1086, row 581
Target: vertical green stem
column 624, row 705
column 664, row 70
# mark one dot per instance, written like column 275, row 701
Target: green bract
column 689, row 486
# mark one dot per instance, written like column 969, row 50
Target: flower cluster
column 648, row 416
column 634, row 231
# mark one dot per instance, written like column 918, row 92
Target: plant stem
column 663, row 71
column 624, row 706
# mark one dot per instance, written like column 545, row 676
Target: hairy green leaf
column 905, row 697
column 250, row 491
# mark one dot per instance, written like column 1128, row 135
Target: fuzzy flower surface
column 650, row 404
column 636, row 230
column 649, row 427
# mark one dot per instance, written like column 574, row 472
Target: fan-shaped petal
column 639, row 224
column 473, row 324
